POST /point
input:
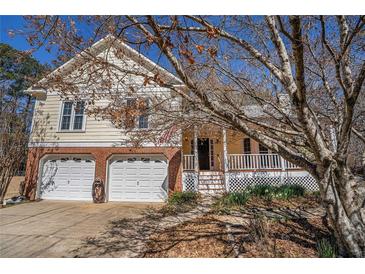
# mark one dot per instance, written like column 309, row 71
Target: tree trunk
column 5, row 176
column 344, row 198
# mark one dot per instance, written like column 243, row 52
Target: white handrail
column 188, row 162
column 258, row 161
column 248, row 162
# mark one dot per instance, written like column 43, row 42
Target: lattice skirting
column 190, row 181
column 240, row 180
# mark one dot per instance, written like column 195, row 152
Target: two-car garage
column 141, row 178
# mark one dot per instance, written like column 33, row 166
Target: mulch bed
column 283, row 238
column 204, row 237
column 248, row 235
column 308, row 201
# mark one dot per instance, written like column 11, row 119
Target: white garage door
column 67, row 178
column 138, row 178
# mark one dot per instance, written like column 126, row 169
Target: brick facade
column 101, row 155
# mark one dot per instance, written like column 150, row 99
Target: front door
column 203, row 152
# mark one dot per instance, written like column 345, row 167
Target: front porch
column 220, row 160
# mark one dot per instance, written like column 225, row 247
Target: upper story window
column 247, row 146
column 73, row 116
column 141, row 121
column 143, row 118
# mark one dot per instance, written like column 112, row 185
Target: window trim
column 136, row 118
column 139, row 122
column 72, row 117
column 147, row 100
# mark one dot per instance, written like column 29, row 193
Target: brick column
column 101, row 157
column 31, row 172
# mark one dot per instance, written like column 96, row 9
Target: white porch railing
column 258, row 161
column 248, row 162
column 188, row 162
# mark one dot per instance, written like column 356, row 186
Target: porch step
column 210, row 172
column 212, row 192
column 210, row 175
column 211, row 179
column 207, row 186
column 211, row 182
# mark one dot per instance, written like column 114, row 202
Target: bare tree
column 304, row 75
column 18, row 70
column 13, row 140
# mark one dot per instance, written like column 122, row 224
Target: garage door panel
column 138, row 180
column 151, row 184
column 67, row 179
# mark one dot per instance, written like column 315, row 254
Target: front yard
column 255, row 223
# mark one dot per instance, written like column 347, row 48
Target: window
column 263, row 149
column 143, row 118
column 66, row 115
column 73, row 115
column 141, row 121
column 79, row 115
column 247, row 146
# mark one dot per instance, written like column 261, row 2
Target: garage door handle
column 137, row 183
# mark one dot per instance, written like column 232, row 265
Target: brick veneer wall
column 101, row 155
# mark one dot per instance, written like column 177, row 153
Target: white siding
column 45, row 127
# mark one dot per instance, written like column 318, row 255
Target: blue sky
column 19, row 42
column 17, row 23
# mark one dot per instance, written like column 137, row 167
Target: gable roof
column 97, row 48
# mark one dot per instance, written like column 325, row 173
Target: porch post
column 225, row 159
column 196, row 156
column 283, row 174
column 282, row 160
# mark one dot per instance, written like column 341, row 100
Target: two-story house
column 69, row 149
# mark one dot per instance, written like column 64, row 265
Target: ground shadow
column 285, row 234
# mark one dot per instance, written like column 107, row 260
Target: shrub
column 326, row 249
column 289, row 191
column 181, row 198
column 236, row 198
column 230, row 200
column 180, row 202
column 261, row 190
column 280, row 192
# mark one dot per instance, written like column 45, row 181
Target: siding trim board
column 78, row 144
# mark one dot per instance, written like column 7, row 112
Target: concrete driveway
column 55, row 228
